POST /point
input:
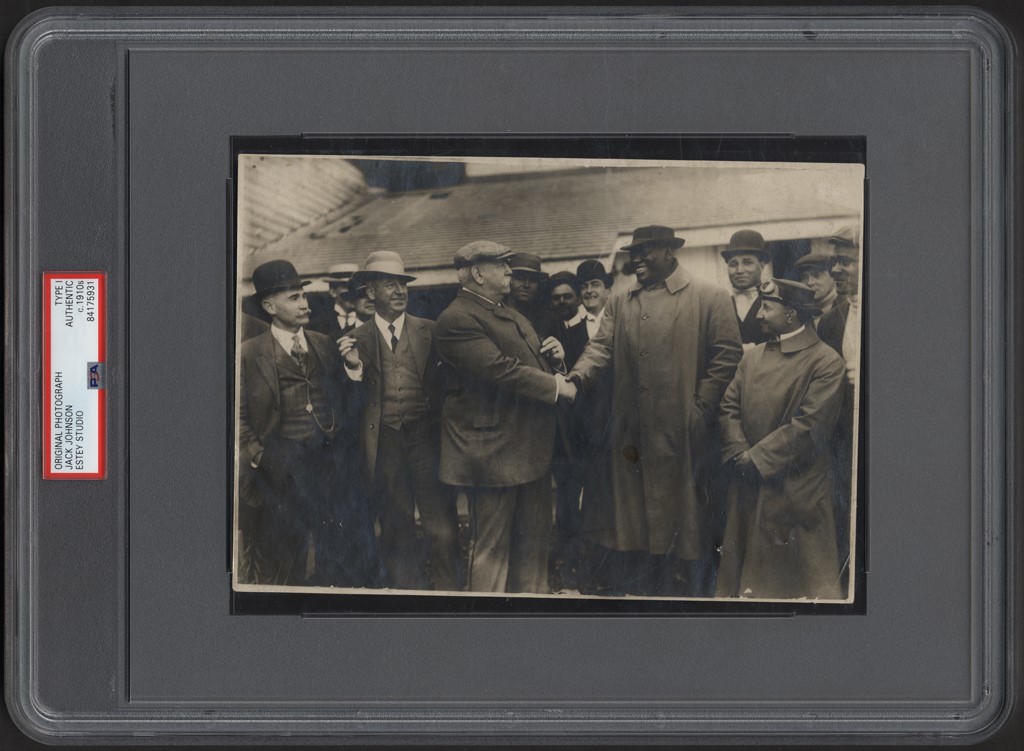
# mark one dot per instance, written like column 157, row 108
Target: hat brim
column 360, row 278
column 672, row 243
column 296, row 284
column 762, row 254
column 531, row 272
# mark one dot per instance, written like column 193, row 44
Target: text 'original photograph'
column 546, row 378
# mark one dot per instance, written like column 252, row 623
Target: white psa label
column 74, row 387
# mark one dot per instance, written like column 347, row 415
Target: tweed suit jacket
column 498, row 420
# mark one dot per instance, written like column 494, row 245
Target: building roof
column 557, row 215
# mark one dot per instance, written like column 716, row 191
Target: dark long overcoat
column 498, row 420
column 780, row 532
column 665, row 347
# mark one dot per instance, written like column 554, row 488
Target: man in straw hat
column 745, row 257
column 778, row 415
column 498, row 428
column 338, row 317
column 297, row 447
column 672, row 343
column 395, row 356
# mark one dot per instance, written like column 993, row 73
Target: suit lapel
column 419, row 342
column 367, row 339
column 500, row 311
column 266, row 366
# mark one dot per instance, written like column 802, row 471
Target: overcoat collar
column 806, row 338
column 675, row 281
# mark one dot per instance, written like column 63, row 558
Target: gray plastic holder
column 118, row 127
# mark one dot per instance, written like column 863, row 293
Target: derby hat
column 593, row 269
column 275, row 276
column 845, row 238
column 526, row 263
column 381, row 263
column 479, row 251
column 793, row 295
column 746, row 242
column 653, row 236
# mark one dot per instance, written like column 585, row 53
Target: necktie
column 298, row 353
column 394, row 339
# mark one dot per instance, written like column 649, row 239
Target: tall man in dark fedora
column 297, row 446
column 526, row 293
column 498, row 426
column 673, row 344
column 778, row 415
column 745, row 257
column 395, row 356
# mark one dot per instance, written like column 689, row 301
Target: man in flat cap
column 498, row 426
column 525, row 293
column 778, row 415
column 297, row 447
column 672, row 344
column 814, row 270
column 395, row 356
column 745, row 257
column 840, row 329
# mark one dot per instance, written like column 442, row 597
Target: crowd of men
column 699, row 440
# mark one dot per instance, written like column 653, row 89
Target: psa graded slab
column 508, row 376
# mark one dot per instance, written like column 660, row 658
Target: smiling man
column 297, row 448
column 400, row 428
column 745, row 258
column 498, row 428
column 672, row 344
column 778, row 415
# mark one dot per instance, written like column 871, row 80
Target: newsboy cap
column 593, row 269
column 481, row 250
column 791, row 294
column 653, row 236
column 275, row 276
column 813, row 262
column 845, row 238
column 746, row 242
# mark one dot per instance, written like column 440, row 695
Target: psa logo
column 96, row 375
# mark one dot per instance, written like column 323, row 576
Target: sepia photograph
column 546, row 377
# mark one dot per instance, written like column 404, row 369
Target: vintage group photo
column 569, row 378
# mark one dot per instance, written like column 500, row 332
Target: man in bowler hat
column 778, row 415
column 672, row 344
column 297, row 447
column 395, row 356
column 745, row 258
column 498, row 425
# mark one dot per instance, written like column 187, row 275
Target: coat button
column 645, row 316
column 643, row 389
column 643, row 353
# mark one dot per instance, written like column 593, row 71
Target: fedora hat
column 746, row 242
column 274, row 276
column 380, row 263
column 653, row 236
column 339, row 274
